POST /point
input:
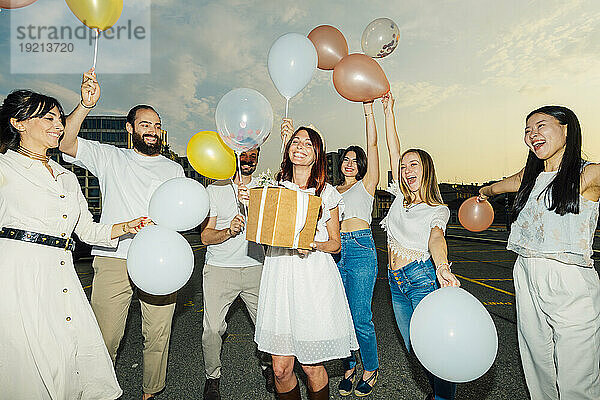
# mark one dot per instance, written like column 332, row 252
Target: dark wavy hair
column 318, row 173
column 133, row 113
column 361, row 161
column 562, row 194
column 23, row 105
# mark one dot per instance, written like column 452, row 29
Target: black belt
column 39, row 238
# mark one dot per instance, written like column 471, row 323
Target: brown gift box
column 272, row 216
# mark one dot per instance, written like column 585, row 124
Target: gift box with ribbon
column 282, row 217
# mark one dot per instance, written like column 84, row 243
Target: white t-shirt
column 235, row 251
column 127, row 181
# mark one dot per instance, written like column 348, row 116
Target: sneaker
column 211, row 389
column 364, row 388
column 345, row 385
column 269, row 379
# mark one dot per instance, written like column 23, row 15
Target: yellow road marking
column 87, row 287
column 493, row 279
column 483, row 284
column 496, row 303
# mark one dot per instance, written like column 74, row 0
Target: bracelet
column 367, row 114
column 124, row 227
column 445, row 264
column 84, row 106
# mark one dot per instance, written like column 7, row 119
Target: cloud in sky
column 464, row 73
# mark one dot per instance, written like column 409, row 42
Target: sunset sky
column 465, row 74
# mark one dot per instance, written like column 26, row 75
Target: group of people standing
column 305, row 305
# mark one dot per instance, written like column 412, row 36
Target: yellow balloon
column 210, row 156
column 97, row 14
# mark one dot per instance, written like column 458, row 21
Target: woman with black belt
column 50, row 342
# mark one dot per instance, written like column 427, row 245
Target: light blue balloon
column 159, row 260
column 292, row 62
column 453, row 335
column 244, row 119
column 179, row 204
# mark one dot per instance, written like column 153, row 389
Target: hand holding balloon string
column 90, row 89
column 287, row 130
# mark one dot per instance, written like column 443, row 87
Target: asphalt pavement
column 481, row 262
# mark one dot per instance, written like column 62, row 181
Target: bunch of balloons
column 356, row 77
column 160, row 261
column 476, row 215
column 453, row 335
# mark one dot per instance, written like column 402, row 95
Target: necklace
column 33, row 155
column 411, row 205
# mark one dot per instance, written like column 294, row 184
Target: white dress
column 302, row 306
column 50, row 344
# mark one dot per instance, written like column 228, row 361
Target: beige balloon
column 358, row 77
column 331, row 45
column 474, row 215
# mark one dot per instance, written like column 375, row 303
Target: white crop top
column 358, row 203
column 539, row 232
column 408, row 229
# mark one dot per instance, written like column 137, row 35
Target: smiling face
column 411, row 171
column 301, row 150
column 146, row 132
column 248, row 161
column 545, row 136
column 41, row 133
column 349, row 165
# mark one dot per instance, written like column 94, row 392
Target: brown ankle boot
column 293, row 394
column 322, row 394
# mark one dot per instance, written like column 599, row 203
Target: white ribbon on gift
column 302, row 201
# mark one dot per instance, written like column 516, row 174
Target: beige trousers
column 558, row 326
column 220, row 287
column 111, row 295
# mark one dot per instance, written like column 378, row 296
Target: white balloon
column 292, row 62
column 159, row 261
column 453, row 335
column 380, row 38
column 179, row 204
column 244, row 119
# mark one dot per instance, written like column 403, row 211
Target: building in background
column 334, row 159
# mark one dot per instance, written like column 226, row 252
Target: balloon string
column 95, row 58
column 243, row 211
column 287, row 105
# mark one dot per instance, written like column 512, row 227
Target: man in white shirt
column 127, row 178
column 233, row 268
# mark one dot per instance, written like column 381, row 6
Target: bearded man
column 127, row 178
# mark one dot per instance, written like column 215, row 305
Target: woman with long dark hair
column 415, row 225
column 302, row 310
column 358, row 261
column 50, row 343
column 554, row 218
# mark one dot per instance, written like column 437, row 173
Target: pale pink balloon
column 358, row 77
column 15, row 3
column 474, row 215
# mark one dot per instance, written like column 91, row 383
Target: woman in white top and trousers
column 302, row 308
column 556, row 286
column 50, row 342
column 358, row 259
column 415, row 226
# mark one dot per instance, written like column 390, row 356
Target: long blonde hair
column 429, row 189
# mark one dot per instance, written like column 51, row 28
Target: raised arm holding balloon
column 557, row 289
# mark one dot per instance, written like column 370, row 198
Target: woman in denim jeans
column 358, row 262
column 415, row 225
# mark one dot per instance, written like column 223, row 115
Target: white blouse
column 409, row 228
column 541, row 233
column 358, row 203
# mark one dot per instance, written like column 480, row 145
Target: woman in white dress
column 50, row 343
column 302, row 309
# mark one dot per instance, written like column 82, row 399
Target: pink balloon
column 474, row 215
column 9, row 4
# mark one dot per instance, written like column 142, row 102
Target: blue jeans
column 409, row 285
column 358, row 269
